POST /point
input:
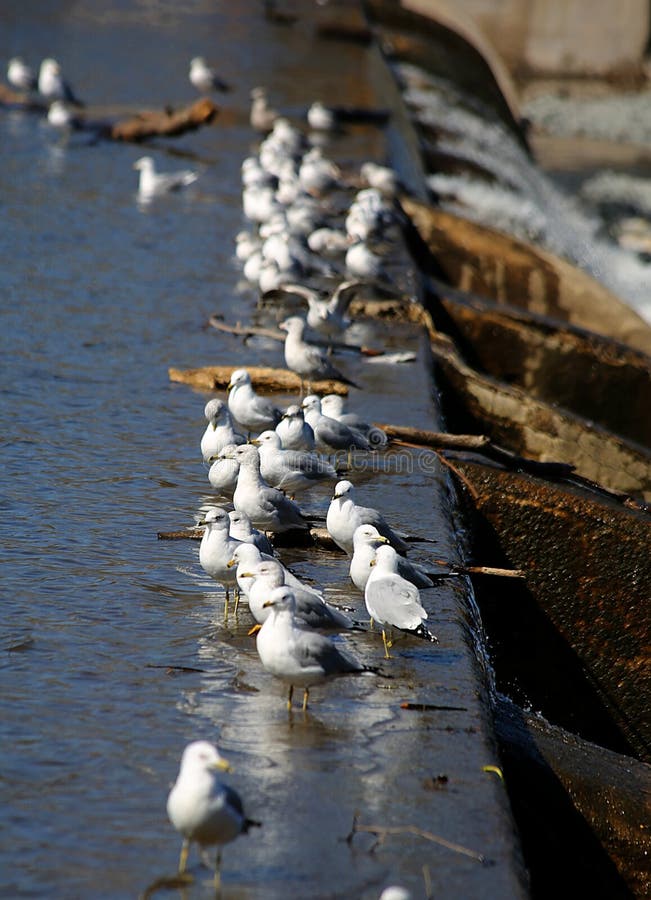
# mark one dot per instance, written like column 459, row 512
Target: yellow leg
column 226, row 599
column 183, row 859
column 218, row 874
column 387, row 644
column 254, row 629
column 289, row 696
column 306, row 694
column 237, row 600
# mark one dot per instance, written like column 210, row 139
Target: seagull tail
column 425, row 633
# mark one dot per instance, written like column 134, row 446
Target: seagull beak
column 255, row 441
column 382, row 539
column 222, row 765
column 246, row 574
column 373, row 562
column 267, row 604
column 231, row 563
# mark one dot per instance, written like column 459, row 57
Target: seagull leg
column 253, row 630
column 236, row 591
column 218, row 873
column 387, row 644
column 183, row 859
column 289, row 697
column 306, row 694
column 226, row 599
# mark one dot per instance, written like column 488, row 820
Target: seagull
column 294, row 432
column 325, row 315
column 250, row 410
column 392, row 600
column 242, row 530
column 262, row 116
column 307, row 360
column 320, row 117
column 51, row 84
column 328, row 241
column 268, row 508
column 333, row 405
column 366, row 540
column 330, row 435
column 217, row 548
column 60, row 115
column 153, row 183
column 247, row 556
column 20, row 75
column 204, row 78
column 290, row 470
column 344, row 516
column 311, row 609
column 296, row 655
column 383, row 178
column 223, row 471
column 203, row 809
column 362, row 262
column 317, row 174
column 220, row 430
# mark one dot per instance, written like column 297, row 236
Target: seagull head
column 267, row 438
column 368, row 534
column 281, row 598
column 202, row 755
column 311, row 402
column 214, row 409
column 216, row 516
column 239, row 376
column 342, row 489
column 144, row 163
column 293, row 325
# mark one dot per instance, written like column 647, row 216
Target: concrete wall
column 564, row 37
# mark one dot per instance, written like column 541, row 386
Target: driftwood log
column 482, row 261
column 587, row 810
column 18, row 100
column 216, row 378
column 168, row 123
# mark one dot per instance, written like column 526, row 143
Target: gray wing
column 337, row 435
column 373, row 517
column 317, row 614
column 342, row 297
column 414, row 573
column 310, row 464
column 314, row 649
column 394, row 601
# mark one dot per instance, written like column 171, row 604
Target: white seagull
column 298, row 656
column 153, row 184
column 294, row 432
column 311, row 609
column 249, row 409
column 333, row 405
column 20, row 75
column 220, row 430
column 392, row 600
column 248, row 556
column 242, row 530
column 204, row 78
column 366, row 540
column 268, row 508
column 330, row 435
column 344, row 516
column 201, row 808
column 217, row 548
column 307, row 360
column 52, row 85
column 223, row 472
column 290, row 470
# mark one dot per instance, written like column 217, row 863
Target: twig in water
column 381, row 832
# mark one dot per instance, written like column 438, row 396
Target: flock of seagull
column 260, row 457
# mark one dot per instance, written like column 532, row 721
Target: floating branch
column 167, row 123
column 9, row 97
column 381, row 833
column 216, row 378
column 276, row 335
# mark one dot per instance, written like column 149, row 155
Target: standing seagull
column 305, row 359
column 290, row 470
column 217, row 548
column 250, row 410
column 392, row 600
column 52, row 85
column 219, row 430
column 203, row 809
column 330, row 435
column 294, row 432
column 344, row 516
column 366, row 540
column 204, row 78
column 268, row 508
column 20, row 75
column 153, row 183
column 296, row 655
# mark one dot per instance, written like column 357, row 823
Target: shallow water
column 99, row 297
